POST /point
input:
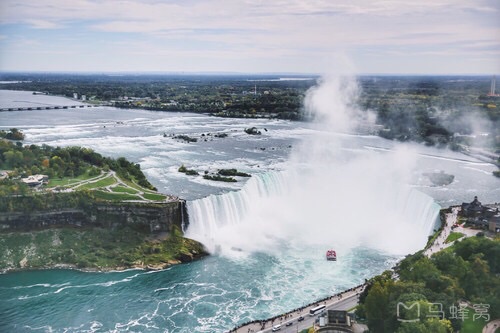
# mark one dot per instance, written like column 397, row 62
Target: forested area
column 439, row 293
column 59, row 162
column 446, row 111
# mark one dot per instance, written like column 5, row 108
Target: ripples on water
column 210, row 295
column 215, row 293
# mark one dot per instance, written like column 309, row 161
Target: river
column 269, row 254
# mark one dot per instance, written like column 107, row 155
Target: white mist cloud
column 332, row 102
column 329, row 196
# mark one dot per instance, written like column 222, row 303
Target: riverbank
column 96, row 249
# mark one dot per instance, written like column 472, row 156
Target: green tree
column 377, row 306
column 13, row 159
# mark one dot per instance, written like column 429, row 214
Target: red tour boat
column 331, row 255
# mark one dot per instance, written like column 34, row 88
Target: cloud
column 42, row 24
column 291, row 28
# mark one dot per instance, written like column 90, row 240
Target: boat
column 331, row 255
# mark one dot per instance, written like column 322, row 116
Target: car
column 300, row 318
column 290, row 323
column 276, row 328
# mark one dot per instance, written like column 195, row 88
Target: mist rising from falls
column 270, row 211
column 328, row 197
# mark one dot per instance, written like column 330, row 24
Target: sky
column 251, row 36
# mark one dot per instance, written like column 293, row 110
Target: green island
column 222, row 175
column 72, row 207
column 455, row 289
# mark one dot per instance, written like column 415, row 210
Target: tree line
column 59, row 162
column 424, row 294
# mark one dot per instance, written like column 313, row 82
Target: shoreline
column 96, row 250
column 114, row 269
column 263, row 325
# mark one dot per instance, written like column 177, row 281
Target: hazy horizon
column 452, row 37
column 228, row 73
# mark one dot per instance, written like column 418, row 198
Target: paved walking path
column 440, row 242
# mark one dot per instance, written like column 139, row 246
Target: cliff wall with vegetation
column 103, row 236
column 151, row 217
column 93, row 213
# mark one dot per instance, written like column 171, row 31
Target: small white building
column 75, row 95
column 35, row 180
column 84, row 97
column 3, row 174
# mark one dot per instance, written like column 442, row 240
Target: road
column 344, row 301
column 344, row 304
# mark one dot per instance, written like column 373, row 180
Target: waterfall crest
column 271, row 209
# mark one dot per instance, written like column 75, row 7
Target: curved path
column 118, row 182
column 492, row 326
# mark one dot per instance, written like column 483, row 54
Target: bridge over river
column 48, row 107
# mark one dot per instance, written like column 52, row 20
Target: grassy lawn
column 123, row 189
column 68, row 181
column 133, row 185
column 137, row 187
column 118, row 192
column 473, row 326
column 100, row 183
column 151, row 196
column 115, row 196
column 453, row 236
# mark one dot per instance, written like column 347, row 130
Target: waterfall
column 327, row 197
column 421, row 209
column 208, row 215
column 274, row 206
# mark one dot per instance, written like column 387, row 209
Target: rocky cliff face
column 147, row 216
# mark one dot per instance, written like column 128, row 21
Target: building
column 75, row 95
column 494, row 222
column 84, row 97
column 472, row 209
column 35, row 180
column 485, row 216
column 335, row 321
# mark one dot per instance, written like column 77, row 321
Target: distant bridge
column 49, row 107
